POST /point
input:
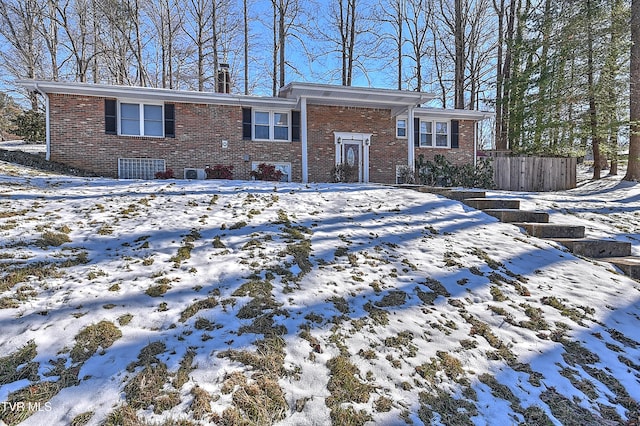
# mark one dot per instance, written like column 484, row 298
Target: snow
column 394, row 240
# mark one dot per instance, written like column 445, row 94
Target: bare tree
column 418, row 16
column 19, row 27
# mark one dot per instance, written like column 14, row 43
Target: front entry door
column 352, row 152
column 352, row 157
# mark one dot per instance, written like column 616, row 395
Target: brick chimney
column 224, row 79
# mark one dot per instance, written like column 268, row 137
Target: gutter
column 46, row 118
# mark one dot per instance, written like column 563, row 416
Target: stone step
column 462, row 194
column 596, row 249
column 514, row 215
column 552, row 230
column 492, row 203
column 629, row 265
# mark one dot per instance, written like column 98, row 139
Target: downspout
column 303, row 139
column 46, row 121
column 475, row 144
column 410, row 139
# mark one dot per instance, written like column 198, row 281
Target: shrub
column 30, row 125
column 406, row 175
column 344, row 173
column 167, row 174
column 266, row 172
column 440, row 172
column 219, row 172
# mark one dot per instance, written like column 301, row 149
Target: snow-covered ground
column 308, row 305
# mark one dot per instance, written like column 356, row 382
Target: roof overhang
column 398, row 101
column 453, row 114
column 153, row 94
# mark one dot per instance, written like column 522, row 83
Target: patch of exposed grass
column 124, row 319
column 148, row 355
column 452, row 411
column 217, row 242
column 201, row 403
column 349, row 416
column 100, row 335
column 446, row 363
column 536, row 318
column 37, row 270
column 82, row 418
column 148, row 388
column 497, row 294
column 344, row 384
column 186, row 367
column 393, row 298
column 566, row 411
column 501, row 391
column 19, row 365
column 238, row 225
column 482, row 255
column 301, row 251
column 52, row 239
column 33, row 398
column 184, row 253
column 377, row 315
column 254, row 288
column 256, row 307
column 158, row 290
column 403, row 342
column 575, row 314
column 208, row 303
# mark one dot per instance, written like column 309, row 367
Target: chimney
column 224, row 79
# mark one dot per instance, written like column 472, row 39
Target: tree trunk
column 593, row 112
column 633, row 169
column 282, row 38
column 246, row 47
column 459, row 56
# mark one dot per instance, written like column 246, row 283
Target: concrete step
column 629, row 265
column 492, row 203
column 596, row 249
column 552, row 230
column 514, row 215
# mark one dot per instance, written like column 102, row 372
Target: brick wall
column 385, row 151
column 462, row 155
column 78, row 139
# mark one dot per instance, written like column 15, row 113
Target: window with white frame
column 137, row 119
column 434, row 134
column 442, row 134
column 401, row 128
column 271, row 125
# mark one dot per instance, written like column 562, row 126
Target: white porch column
column 303, row 139
column 410, row 142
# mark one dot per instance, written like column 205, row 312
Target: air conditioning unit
column 195, row 174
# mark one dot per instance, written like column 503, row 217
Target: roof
column 154, row 94
column 459, row 114
column 398, row 101
column 326, row 94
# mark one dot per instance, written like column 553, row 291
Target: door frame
column 364, row 141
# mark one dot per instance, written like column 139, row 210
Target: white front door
column 352, row 152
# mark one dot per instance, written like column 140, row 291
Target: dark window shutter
column 169, row 121
column 246, row 123
column 295, row 126
column 455, row 134
column 416, row 132
column 110, row 117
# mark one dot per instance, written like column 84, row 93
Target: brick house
column 133, row 132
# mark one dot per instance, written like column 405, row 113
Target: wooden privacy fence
column 534, row 173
